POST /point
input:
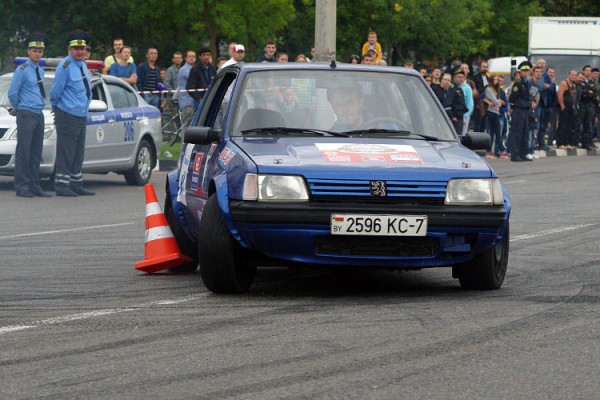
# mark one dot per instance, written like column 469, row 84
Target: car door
column 127, row 116
column 200, row 159
column 101, row 129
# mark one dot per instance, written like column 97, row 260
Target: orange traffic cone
column 161, row 249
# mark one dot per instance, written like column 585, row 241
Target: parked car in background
column 123, row 131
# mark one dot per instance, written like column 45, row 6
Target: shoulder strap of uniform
column 66, row 64
column 24, row 65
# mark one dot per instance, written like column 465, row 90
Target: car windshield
column 5, row 84
column 338, row 103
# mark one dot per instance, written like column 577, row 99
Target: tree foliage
column 422, row 31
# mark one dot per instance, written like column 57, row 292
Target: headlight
column 48, row 131
column 275, row 188
column 474, row 192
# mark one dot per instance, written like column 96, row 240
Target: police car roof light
column 53, row 63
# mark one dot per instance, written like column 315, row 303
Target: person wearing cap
column 239, row 52
column 201, row 75
column 70, row 98
column 372, row 44
column 520, row 103
column 27, row 95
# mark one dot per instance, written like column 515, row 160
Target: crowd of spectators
column 562, row 112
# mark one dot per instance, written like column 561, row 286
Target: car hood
column 8, row 121
column 363, row 158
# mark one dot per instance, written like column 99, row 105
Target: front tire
column 487, row 270
column 222, row 263
column 141, row 171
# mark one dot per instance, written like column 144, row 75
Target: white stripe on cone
column 160, row 232
column 153, row 209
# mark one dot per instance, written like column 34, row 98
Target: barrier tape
column 170, row 91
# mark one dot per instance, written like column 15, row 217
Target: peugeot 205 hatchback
column 333, row 165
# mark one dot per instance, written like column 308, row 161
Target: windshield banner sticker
column 369, row 153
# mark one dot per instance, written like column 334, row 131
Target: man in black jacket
column 201, row 75
column 454, row 102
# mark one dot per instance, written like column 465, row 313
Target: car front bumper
column 301, row 232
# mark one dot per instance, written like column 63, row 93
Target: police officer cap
column 525, row 66
column 78, row 38
column 36, row 40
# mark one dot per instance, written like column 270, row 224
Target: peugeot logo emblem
column 378, row 189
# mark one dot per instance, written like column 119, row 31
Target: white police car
column 123, row 131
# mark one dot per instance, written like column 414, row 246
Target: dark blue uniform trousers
column 519, row 129
column 28, row 156
column 70, row 148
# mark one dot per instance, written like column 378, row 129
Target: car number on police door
column 378, row 225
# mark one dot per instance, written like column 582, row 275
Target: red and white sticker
column 362, row 153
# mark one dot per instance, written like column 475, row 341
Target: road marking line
column 85, row 228
column 98, row 313
column 550, row 232
column 511, row 182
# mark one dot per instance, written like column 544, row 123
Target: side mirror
column 200, row 135
column 97, row 106
column 476, row 140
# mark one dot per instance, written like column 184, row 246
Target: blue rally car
column 333, row 165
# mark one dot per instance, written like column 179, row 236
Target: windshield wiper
column 281, row 129
column 374, row 132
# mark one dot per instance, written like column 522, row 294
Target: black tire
column 141, row 171
column 222, row 263
column 487, row 270
column 186, row 245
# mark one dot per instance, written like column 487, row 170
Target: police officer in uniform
column 520, row 103
column 27, row 94
column 70, row 98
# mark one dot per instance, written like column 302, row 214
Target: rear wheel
column 223, row 267
column 141, row 171
column 186, row 245
column 487, row 270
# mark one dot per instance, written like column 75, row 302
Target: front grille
column 419, row 191
column 387, row 246
column 3, row 132
column 4, row 159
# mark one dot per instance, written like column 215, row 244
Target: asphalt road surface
column 77, row 321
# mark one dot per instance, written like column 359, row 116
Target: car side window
column 98, row 93
column 121, row 97
column 216, row 106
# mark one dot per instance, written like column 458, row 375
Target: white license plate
column 378, row 225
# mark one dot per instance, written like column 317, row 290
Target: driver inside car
column 348, row 107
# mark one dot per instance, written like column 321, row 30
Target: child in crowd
column 372, row 44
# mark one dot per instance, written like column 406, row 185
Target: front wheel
column 487, row 270
column 222, row 264
column 141, row 171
